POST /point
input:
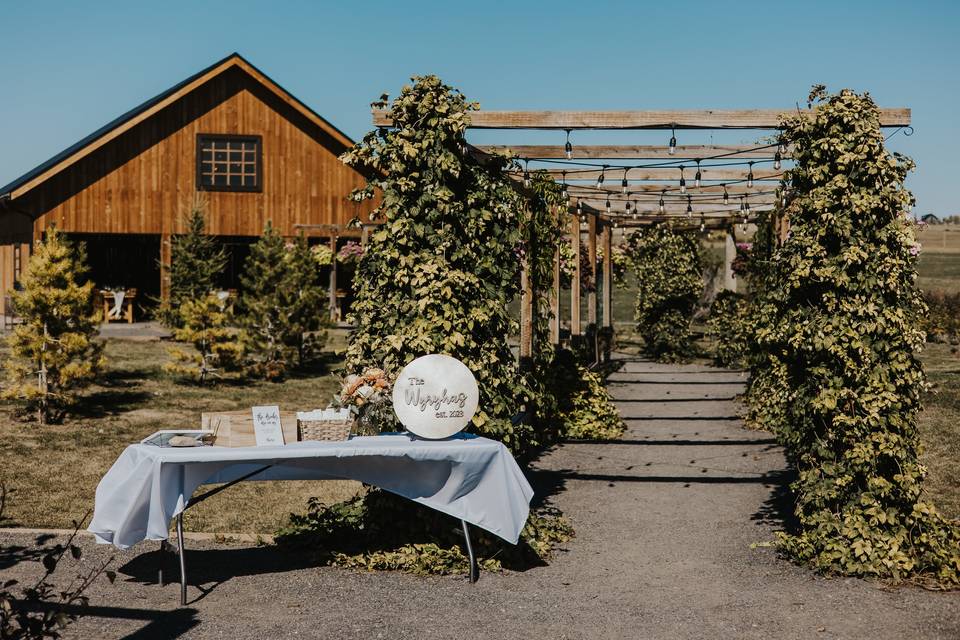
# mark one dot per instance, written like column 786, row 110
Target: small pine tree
column 305, row 298
column 268, row 331
column 54, row 350
column 205, row 324
column 196, row 262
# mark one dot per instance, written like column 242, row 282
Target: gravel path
column 665, row 521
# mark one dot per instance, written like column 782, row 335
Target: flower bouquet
column 368, row 396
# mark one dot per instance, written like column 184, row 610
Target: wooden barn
column 253, row 150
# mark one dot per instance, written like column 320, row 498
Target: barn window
column 228, row 163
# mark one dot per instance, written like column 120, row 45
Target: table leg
column 183, row 562
column 474, row 569
column 163, row 561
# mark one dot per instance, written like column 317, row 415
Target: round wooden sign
column 435, row 396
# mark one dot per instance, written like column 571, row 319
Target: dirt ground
column 668, row 520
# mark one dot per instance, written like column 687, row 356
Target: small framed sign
column 435, row 396
column 266, row 426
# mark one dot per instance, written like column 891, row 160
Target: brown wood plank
column 638, row 152
column 665, row 120
column 613, row 175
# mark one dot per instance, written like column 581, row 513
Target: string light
column 600, row 178
column 526, row 173
column 616, row 223
column 696, row 179
column 568, row 148
column 683, row 182
column 777, row 157
column 608, row 204
column 746, row 207
column 636, row 208
column 726, row 196
column 783, row 198
column 750, row 175
column 689, row 206
column 565, row 193
column 741, row 205
column 623, row 183
column 580, row 209
column 628, row 206
column 673, row 140
column 703, row 223
column 662, row 193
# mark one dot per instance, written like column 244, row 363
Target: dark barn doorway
column 124, row 261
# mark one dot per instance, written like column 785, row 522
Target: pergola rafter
column 689, row 153
column 664, row 120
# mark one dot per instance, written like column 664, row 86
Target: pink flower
column 915, row 249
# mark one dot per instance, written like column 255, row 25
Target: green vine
column 668, row 267
column 839, row 316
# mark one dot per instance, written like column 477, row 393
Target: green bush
column 584, row 409
column 840, row 322
column 668, row 266
column 943, row 322
column 729, row 325
column 382, row 531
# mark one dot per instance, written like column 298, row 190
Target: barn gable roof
column 138, row 114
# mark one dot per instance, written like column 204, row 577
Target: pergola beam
column 664, row 120
column 633, row 152
column 613, row 175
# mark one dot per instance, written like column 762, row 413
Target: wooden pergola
column 709, row 186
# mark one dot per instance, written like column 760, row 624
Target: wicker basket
column 323, row 429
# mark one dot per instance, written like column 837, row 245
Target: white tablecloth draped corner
column 471, row 478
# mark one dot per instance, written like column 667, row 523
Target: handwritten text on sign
column 435, row 396
column 266, row 426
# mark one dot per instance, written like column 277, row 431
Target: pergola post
column 729, row 255
column 526, row 311
column 607, row 242
column 607, row 290
column 592, row 295
column 575, row 282
column 333, row 279
column 555, row 299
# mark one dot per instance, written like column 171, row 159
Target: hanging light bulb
column 580, row 209
column 777, row 158
column 746, row 208
column 689, row 206
column 565, row 193
column 600, row 178
column 623, row 183
column 783, row 198
column 683, row 182
column 636, row 208
column 673, row 141
column 750, row 175
column 781, row 145
column 741, row 205
column 616, row 223
column 696, row 179
column 568, row 148
column 703, row 223
column 526, row 174
column 608, row 204
column 726, row 196
column 628, row 206
column 661, row 200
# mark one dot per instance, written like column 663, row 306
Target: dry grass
column 53, row 471
column 940, row 428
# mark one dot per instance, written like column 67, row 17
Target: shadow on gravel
column 208, row 568
column 162, row 624
column 695, row 443
column 773, row 478
column 777, row 511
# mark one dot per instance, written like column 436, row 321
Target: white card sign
column 266, row 426
column 435, row 396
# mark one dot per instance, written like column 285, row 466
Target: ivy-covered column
column 841, row 314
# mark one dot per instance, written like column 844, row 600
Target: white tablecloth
column 468, row 477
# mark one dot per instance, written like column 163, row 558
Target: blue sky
column 68, row 68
